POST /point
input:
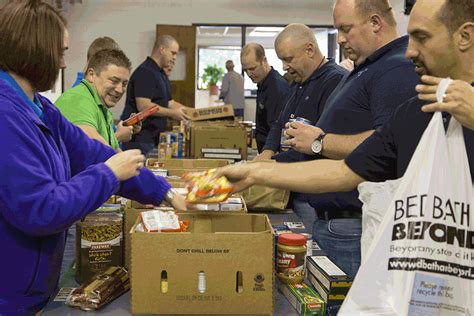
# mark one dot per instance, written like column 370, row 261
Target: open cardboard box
column 235, row 252
column 222, row 137
column 133, row 209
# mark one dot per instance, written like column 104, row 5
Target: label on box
column 295, row 225
column 328, row 266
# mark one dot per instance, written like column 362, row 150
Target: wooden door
column 183, row 78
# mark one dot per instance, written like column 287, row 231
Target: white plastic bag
column 376, row 198
column 421, row 259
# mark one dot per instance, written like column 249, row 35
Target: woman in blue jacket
column 52, row 173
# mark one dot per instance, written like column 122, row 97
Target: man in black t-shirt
column 441, row 44
column 149, row 86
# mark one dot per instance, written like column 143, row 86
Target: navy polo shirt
column 372, row 91
column 386, row 154
column 271, row 95
column 365, row 101
column 148, row 81
column 306, row 100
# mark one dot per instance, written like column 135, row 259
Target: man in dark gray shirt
column 232, row 89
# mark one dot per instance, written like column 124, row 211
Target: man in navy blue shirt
column 271, row 93
column 315, row 79
column 441, row 44
column 148, row 87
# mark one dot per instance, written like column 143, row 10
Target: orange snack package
column 203, row 188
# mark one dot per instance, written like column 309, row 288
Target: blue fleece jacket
column 52, row 174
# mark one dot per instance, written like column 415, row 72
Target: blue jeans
column 305, row 212
column 340, row 240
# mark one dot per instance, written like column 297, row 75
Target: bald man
column 149, row 86
column 315, row 78
column 272, row 89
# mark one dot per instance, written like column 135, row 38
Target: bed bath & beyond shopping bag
column 421, row 259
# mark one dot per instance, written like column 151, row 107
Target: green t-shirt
column 82, row 105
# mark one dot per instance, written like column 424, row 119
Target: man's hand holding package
column 137, row 127
column 240, row 175
column 458, row 99
column 123, row 133
column 179, row 114
column 300, row 136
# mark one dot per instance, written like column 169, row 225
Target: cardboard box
column 133, row 209
column 212, row 112
column 329, row 274
column 303, row 298
column 330, row 299
column 234, row 251
column 177, row 167
column 224, row 137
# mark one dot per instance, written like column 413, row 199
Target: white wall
column 132, row 23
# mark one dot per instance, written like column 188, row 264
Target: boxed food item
column 222, row 265
column 99, row 244
column 334, row 280
column 212, row 112
column 171, row 145
column 329, row 298
column 303, row 298
column 232, row 204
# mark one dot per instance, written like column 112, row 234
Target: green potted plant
column 211, row 76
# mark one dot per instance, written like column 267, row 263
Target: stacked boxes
column 328, row 279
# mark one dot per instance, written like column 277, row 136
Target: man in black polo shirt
column 271, row 93
column 441, row 44
column 362, row 103
column 149, row 86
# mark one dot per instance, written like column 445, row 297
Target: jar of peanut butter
column 291, row 252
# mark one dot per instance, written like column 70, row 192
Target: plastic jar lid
column 292, row 239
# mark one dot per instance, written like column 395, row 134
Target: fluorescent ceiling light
column 268, row 29
column 263, row 34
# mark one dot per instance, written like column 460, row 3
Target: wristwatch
column 317, row 145
column 170, row 195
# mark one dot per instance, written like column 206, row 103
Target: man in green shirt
column 87, row 105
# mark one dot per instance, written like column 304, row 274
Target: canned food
column 291, row 120
column 283, row 138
